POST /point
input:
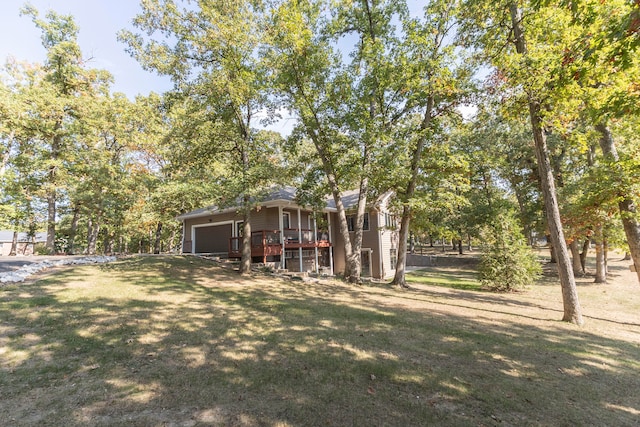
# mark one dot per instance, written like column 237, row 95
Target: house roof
column 349, row 200
column 283, row 195
column 274, row 196
column 7, row 236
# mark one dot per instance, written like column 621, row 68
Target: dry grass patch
column 180, row 341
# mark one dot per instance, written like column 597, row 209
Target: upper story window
column 286, row 220
column 351, row 222
column 390, row 221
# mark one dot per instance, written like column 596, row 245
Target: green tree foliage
column 369, row 118
column 210, row 52
column 330, row 98
column 507, row 263
column 600, row 71
column 436, row 83
column 55, row 103
column 515, row 38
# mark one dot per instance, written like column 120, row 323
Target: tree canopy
column 376, row 89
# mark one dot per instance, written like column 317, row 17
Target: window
column 365, row 262
column 239, row 228
column 390, row 221
column 286, row 220
column 394, row 257
column 351, row 222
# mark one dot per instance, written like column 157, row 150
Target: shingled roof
column 276, row 194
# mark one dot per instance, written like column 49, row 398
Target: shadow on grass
column 177, row 341
column 455, row 279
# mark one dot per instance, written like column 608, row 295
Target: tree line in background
column 376, row 89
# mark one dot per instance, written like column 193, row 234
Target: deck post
column 281, row 224
column 300, row 239
column 264, row 247
column 330, row 243
column 315, row 242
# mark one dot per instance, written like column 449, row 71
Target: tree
column 56, row 95
column 436, row 85
column 507, row 263
column 210, row 53
column 600, row 68
column 526, row 59
column 53, row 108
column 357, row 113
column 314, row 84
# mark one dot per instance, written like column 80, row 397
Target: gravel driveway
column 11, row 263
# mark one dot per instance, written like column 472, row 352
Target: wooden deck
column 265, row 243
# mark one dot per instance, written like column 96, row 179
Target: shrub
column 508, row 263
column 41, row 249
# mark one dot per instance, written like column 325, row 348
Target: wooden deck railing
column 267, row 242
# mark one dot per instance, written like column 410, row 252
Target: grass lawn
column 179, row 341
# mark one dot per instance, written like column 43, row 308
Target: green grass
column 179, row 341
column 456, row 279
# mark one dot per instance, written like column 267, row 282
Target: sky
column 99, row 22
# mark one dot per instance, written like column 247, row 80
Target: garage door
column 213, row 238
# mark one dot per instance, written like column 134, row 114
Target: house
column 297, row 238
column 25, row 245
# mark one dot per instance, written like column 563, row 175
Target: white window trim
column 288, row 215
column 235, row 228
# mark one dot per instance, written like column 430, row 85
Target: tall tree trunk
column 92, row 236
column 605, row 249
column 73, row 231
column 352, row 258
column 353, row 271
column 5, row 160
column 627, row 206
column 51, row 221
column 585, row 251
column 575, row 257
column 172, row 239
column 572, row 310
column 552, row 250
column 108, row 243
column 401, row 262
column 56, row 145
column 25, row 247
column 156, row 243
column 399, row 277
column 14, row 244
column 245, row 259
column 601, row 274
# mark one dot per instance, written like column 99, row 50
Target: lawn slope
column 181, row 341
